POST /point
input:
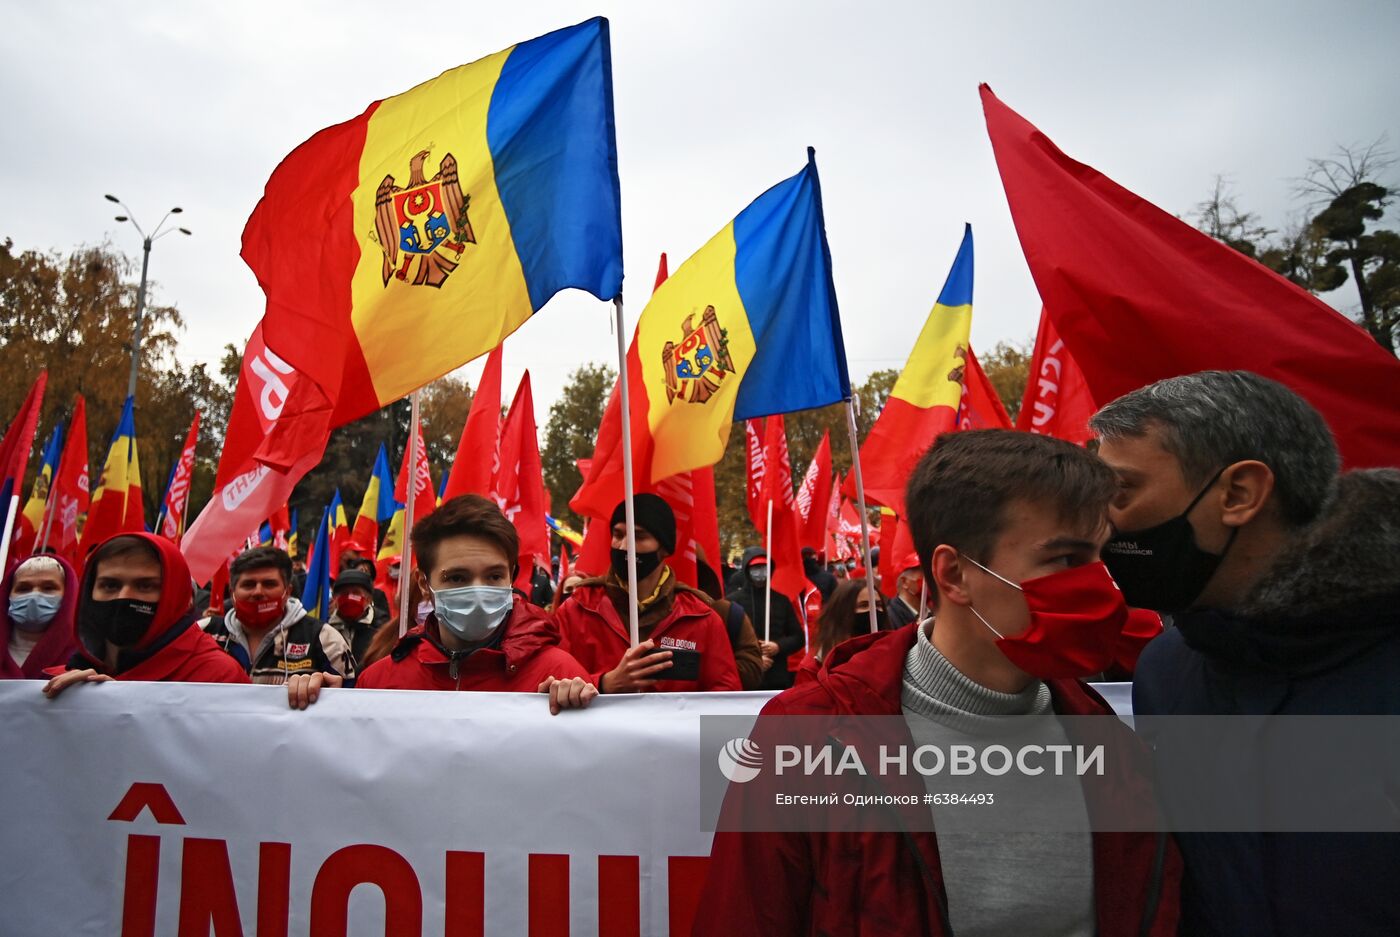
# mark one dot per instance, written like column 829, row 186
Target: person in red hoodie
column 1008, row 527
column 481, row 634
column 679, row 620
column 37, row 600
column 136, row 621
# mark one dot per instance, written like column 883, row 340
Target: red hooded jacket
column 174, row 648
column 592, row 631
column 57, row 643
column 865, row 882
column 527, row 653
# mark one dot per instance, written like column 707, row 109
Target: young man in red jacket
column 481, row 635
column 135, row 620
column 1008, row 528
column 593, row 621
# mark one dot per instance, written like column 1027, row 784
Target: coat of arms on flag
column 695, row 367
column 423, row 220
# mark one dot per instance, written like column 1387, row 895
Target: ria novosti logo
column 740, row 760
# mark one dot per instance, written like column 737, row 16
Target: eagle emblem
column 425, row 220
column 695, row 367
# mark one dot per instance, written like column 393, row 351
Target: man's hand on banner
column 639, row 668
column 64, row 680
column 304, row 689
column 574, row 693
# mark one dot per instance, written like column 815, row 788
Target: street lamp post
column 146, row 241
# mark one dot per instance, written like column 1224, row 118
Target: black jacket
column 785, row 630
column 1318, row 635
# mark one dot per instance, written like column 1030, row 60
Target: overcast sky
column 194, row 104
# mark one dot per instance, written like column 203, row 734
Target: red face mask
column 351, row 606
column 1077, row 618
column 258, row 613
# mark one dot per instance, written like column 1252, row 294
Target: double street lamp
column 147, row 240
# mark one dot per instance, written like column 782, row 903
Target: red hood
column 173, row 607
column 864, row 676
column 56, row 645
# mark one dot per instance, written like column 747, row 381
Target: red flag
column 19, row 439
column 830, row 541
column 248, row 489
column 280, row 523
column 70, row 487
column 519, row 484
column 814, row 497
column 679, row 492
column 705, row 523
column 177, row 496
column 425, row 501
column 753, row 492
column 1056, row 402
column 981, row 407
column 1139, row 295
column 785, row 554
column 595, row 554
column 471, row 470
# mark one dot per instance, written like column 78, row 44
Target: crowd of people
column 1215, row 499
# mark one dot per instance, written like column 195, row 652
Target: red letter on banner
column 619, row 896
column 207, row 899
column 142, row 874
column 549, row 896
column 465, row 914
column 685, row 877
column 365, row 864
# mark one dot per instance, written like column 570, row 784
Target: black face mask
column 646, row 564
column 121, row 622
column 1161, row 567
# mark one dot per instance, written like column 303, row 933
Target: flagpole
column 410, row 492
column 923, row 599
column 768, row 592
column 864, row 520
column 627, row 482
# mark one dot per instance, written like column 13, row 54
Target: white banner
column 166, row 808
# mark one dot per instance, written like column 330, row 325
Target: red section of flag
column 1139, row 295
column 1057, row 400
column 247, row 490
column 177, row 497
column 70, row 487
column 595, row 555
column 471, row 469
column 888, row 568
column 899, row 438
column 705, row 525
column 19, row 439
column 981, row 407
column 679, row 493
column 814, row 497
column 785, row 554
column 519, row 484
column 753, row 490
column 425, row 501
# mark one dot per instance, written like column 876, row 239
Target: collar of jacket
column 522, row 635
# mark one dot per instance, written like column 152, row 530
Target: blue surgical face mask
column 34, row 610
column 473, row 613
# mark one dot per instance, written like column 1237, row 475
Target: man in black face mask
column 1282, row 582
column 676, row 622
column 136, row 620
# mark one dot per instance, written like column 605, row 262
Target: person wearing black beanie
column 689, row 640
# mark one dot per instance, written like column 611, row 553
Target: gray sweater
column 999, row 884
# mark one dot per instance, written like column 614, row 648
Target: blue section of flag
column 553, row 146
column 316, row 597
column 957, row 289
column 386, row 506
column 782, row 267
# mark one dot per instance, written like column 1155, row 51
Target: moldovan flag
column 475, row 460
column 70, row 488
column 1057, row 401
column 116, row 502
column 443, row 218
column 316, row 595
column 1139, row 295
column 171, row 523
column 292, row 538
column 376, row 506
column 30, row 524
column 747, row 327
column 925, row 398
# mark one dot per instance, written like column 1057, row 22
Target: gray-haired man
column 1283, row 581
